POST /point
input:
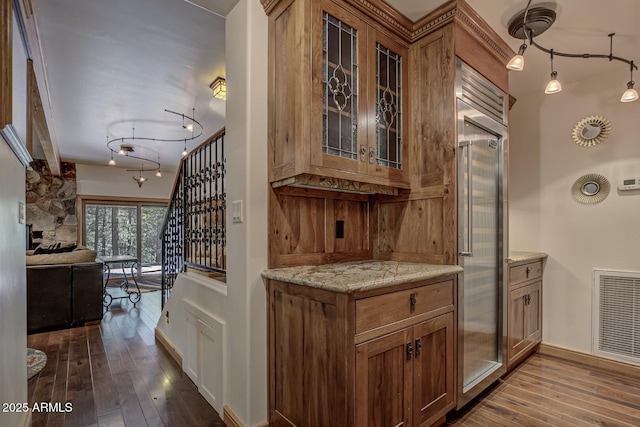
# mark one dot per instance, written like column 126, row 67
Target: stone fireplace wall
column 51, row 203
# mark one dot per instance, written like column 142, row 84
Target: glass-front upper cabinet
column 363, row 107
column 388, row 77
column 341, row 70
column 339, row 105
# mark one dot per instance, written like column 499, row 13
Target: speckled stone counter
column 359, row 276
column 522, row 256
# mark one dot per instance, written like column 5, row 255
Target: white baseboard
column 231, row 419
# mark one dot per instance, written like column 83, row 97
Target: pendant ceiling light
column 554, row 85
column 531, row 23
column 630, row 94
column 517, row 62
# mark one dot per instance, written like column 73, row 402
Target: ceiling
column 117, row 65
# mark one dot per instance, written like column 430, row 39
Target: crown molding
column 394, row 21
column 268, row 5
column 481, row 30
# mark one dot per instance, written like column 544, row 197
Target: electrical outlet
column 236, row 211
column 167, row 316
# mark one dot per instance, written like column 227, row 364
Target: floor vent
column 616, row 315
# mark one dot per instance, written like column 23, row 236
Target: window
column 113, row 227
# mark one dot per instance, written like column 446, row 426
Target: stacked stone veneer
column 51, row 203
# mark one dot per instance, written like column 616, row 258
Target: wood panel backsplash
column 303, row 227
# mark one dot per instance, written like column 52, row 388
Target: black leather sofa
column 63, row 295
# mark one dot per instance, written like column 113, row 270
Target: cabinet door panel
column 339, row 73
column 388, row 107
column 383, row 381
column 434, row 383
column 533, row 318
column 516, row 327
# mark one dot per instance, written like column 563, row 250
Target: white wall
column 13, row 287
column 112, row 181
column 544, row 163
column 243, row 308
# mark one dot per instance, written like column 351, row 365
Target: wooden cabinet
column 338, row 106
column 332, row 363
column 524, row 308
column 406, row 377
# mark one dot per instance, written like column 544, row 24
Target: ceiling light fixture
column 531, row 23
column 133, row 147
column 630, row 94
column 219, row 88
column 140, row 179
column 111, row 162
column 517, row 62
column 554, row 85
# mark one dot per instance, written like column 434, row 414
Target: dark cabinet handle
column 412, row 303
column 409, row 351
column 363, row 152
column 418, row 347
column 528, row 271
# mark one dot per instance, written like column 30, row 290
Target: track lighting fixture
column 134, row 147
column 111, row 162
column 531, row 23
column 517, row 62
column 630, row 94
column 554, row 85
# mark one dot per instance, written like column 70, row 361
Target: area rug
column 36, row 360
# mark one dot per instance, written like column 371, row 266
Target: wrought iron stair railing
column 194, row 229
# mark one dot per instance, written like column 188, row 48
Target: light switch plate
column 236, row 211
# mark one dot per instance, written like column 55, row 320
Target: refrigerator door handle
column 467, row 247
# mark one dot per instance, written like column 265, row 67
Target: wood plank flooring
column 114, row 374
column 549, row 391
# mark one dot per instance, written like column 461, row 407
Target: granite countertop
column 350, row 277
column 520, row 256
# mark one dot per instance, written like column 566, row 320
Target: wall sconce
column 219, row 88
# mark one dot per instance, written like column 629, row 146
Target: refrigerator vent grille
column 616, row 317
column 483, row 95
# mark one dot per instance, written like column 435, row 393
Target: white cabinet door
column 190, row 356
column 210, row 362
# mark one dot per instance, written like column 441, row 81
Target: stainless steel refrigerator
column 482, row 237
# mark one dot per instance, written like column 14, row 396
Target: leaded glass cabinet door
column 339, row 76
column 387, row 152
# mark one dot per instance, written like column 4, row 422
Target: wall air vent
column 616, row 315
column 480, row 93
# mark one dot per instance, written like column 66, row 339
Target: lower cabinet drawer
column 381, row 310
column 524, row 272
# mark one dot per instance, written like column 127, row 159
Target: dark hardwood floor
column 114, row 374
